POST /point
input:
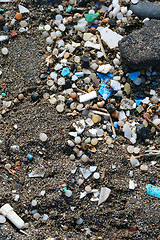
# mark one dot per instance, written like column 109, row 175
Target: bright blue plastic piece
column 134, row 75
column 105, row 89
column 65, row 72
column 153, row 190
column 30, row 157
column 115, row 124
column 155, row 83
column 138, row 102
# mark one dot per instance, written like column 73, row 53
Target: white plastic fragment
column 132, row 185
column 3, row 38
column 134, row 162
column 109, row 37
column 105, row 68
column 88, row 96
column 92, row 45
column 85, row 172
column 23, row 9
column 104, row 194
column 7, row 211
column 39, row 172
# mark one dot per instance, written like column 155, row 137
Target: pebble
column 4, row 51
column 84, row 158
column 94, row 141
column 144, row 167
column 95, row 118
column 88, row 189
column 2, row 219
column 43, row 137
column 60, row 108
column 34, row 203
column 36, row 216
column 68, row 193
column 96, row 175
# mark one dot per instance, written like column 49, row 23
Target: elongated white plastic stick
column 7, row 211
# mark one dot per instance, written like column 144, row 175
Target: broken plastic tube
column 88, row 96
column 153, row 190
column 7, row 211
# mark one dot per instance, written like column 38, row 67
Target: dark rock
column 67, row 83
column 110, row 107
column 112, row 22
column 84, row 62
column 141, row 49
column 73, row 67
column 152, row 180
column 143, row 132
column 145, row 9
column 34, row 96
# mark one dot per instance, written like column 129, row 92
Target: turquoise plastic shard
column 153, row 190
column 69, row 9
column 134, row 75
column 65, row 72
column 91, row 17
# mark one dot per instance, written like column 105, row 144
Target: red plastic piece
column 13, row 33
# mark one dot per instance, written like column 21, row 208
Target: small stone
column 34, row 203
column 23, row 23
column 94, row 141
column 143, row 133
column 112, row 22
column 109, row 140
column 144, row 167
column 34, row 96
column 36, row 216
column 60, row 108
column 126, row 104
column 88, row 189
column 2, row 219
column 136, row 150
column 4, row 51
column 72, row 157
column 84, row 62
column 43, row 137
column 84, row 158
column 96, row 175
column 130, row 149
column 95, row 118
column 127, row 88
column 68, row 193
column 20, row 96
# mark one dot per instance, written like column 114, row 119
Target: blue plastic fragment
column 155, row 83
column 95, row 26
column 105, row 90
column 139, row 98
column 6, row 175
column 153, row 190
column 65, row 72
column 30, row 157
column 79, row 74
column 138, row 102
column 115, row 124
column 134, row 75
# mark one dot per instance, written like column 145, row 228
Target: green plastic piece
column 64, row 189
column 69, row 9
column 91, row 17
column 3, row 94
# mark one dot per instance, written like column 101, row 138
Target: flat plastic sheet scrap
column 105, row 90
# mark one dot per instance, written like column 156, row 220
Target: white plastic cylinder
column 7, row 211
